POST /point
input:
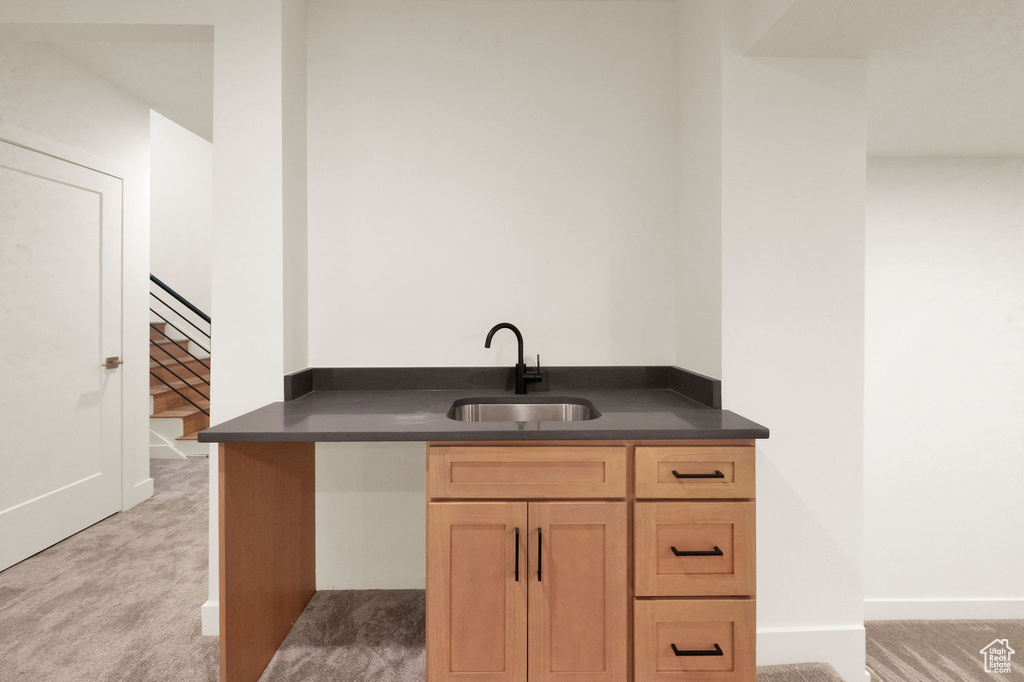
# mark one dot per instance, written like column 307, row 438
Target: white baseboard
column 163, row 443
column 210, row 614
column 164, row 452
column 140, row 492
column 944, row 609
column 840, row 647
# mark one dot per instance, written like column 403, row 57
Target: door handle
column 540, row 548
column 710, row 552
column 113, row 362
column 717, row 651
column 517, row 553
column 717, row 474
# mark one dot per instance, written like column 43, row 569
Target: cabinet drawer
column 695, row 471
column 694, row 548
column 526, row 472
column 716, row 638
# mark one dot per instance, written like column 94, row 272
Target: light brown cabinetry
column 569, row 562
column 694, row 548
column 578, row 591
column 714, row 636
column 693, row 536
column 476, row 611
column 526, row 472
column 695, row 471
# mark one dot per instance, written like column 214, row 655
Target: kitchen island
column 660, row 437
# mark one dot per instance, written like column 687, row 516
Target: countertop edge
column 505, row 436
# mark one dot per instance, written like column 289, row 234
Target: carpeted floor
column 378, row 636
column 119, row 602
column 940, row 650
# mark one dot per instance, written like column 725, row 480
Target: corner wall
column 793, row 178
column 181, row 215
column 248, row 232
column 698, row 262
column 944, row 396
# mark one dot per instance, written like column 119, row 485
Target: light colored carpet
column 798, row 672
column 378, row 636
column 119, row 600
column 940, row 650
column 354, row 635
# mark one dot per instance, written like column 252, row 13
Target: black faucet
column 523, row 375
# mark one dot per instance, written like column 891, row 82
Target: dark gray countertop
column 411, row 404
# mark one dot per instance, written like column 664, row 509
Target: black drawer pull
column 517, row 553
column 717, row 551
column 717, row 474
column 540, row 547
column 684, row 652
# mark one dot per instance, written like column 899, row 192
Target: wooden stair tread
column 183, row 411
column 180, row 345
column 189, row 436
column 174, row 363
column 190, row 382
column 166, row 351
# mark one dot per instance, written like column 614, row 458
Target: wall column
column 252, row 72
column 793, row 178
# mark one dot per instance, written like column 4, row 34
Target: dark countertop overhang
column 411, row 404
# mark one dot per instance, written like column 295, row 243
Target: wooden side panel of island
column 267, row 550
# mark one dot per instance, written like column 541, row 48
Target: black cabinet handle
column 517, row 553
column 717, row 474
column 712, row 552
column 717, row 651
column 540, row 547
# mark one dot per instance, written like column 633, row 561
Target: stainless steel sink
column 523, row 409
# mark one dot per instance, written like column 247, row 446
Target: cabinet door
column 476, row 608
column 577, row 591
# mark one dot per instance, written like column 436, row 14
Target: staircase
column 179, row 376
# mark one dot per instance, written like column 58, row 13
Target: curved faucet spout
column 523, row 375
column 506, row 325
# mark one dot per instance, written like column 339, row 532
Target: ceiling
column 944, row 77
column 167, row 66
column 174, row 78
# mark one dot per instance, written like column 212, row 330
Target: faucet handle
column 533, row 374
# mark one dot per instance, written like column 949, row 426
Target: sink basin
column 523, row 409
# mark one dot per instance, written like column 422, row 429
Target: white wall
column 698, row 265
column 472, row 163
column 944, row 390
column 252, row 68
column 38, row 89
column 58, row 12
column 294, row 144
column 181, row 209
column 793, row 178
column 478, row 162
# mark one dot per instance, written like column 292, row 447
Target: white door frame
column 136, row 485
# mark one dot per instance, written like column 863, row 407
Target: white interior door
column 60, row 317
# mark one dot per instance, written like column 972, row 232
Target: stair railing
column 178, row 313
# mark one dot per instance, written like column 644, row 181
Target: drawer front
column 715, row 637
column 694, row 548
column 526, row 472
column 718, row 471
